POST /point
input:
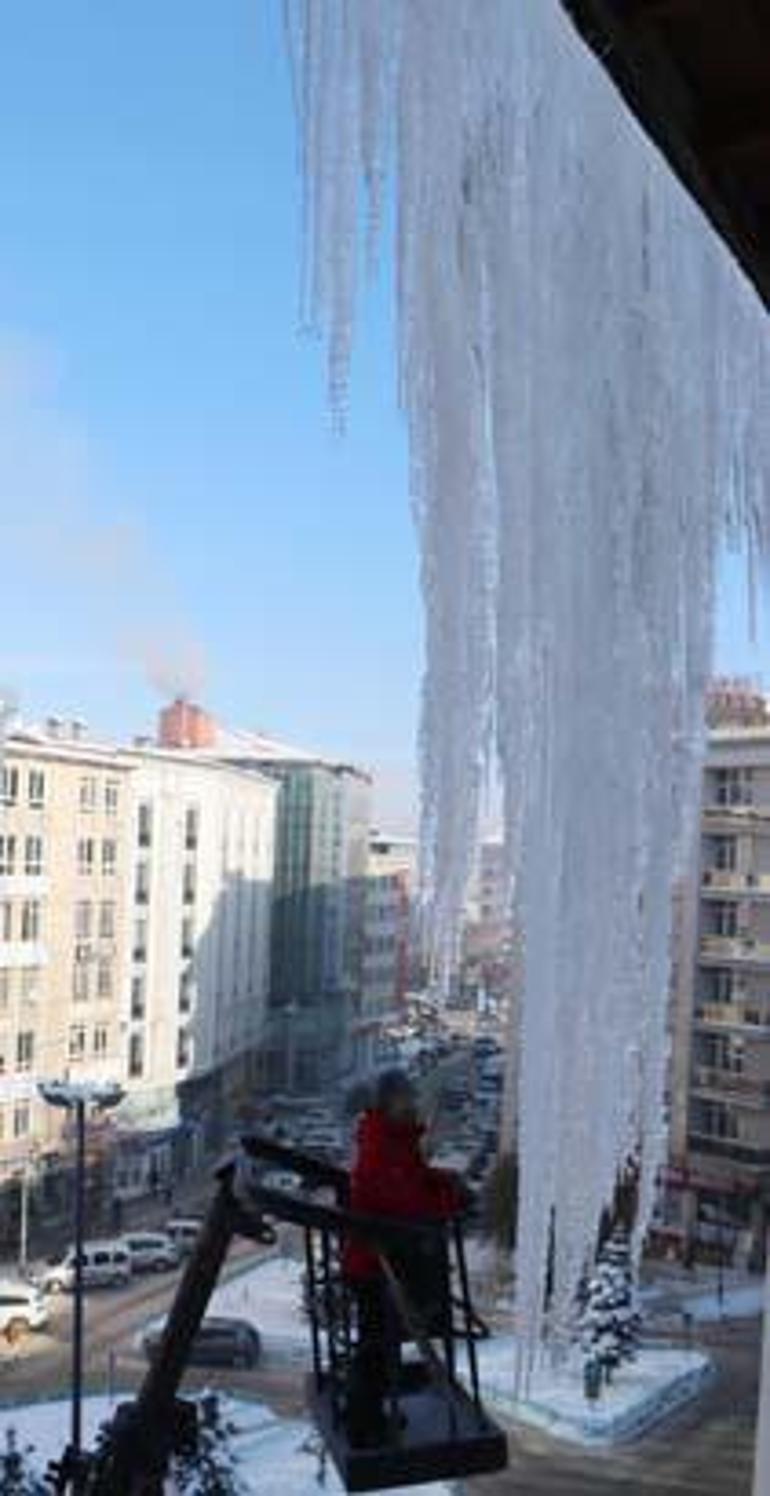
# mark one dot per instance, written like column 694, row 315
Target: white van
column 22, row 1308
column 106, row 1264
column 184, row 1232
column 151, row 1251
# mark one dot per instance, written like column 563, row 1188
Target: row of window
column 22, row 921
column 11, row 782
column 136, row 1052
column 28, row 980
column 93, row 794
column 13, row 859
column 87, row 857
column 144, row 826
column 92, row 918
column 77, row 1041
column 89, row 979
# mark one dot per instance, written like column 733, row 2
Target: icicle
column 584, row 374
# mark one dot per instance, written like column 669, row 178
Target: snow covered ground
column 645, row 1391
column 271, row 1454
column 270, row 1297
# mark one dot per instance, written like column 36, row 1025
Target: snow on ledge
column 643, row 1393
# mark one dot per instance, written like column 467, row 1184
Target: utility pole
column 75, row 1097
column 762, row 1466
column 24, row 1180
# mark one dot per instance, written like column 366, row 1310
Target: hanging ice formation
column 584, row 374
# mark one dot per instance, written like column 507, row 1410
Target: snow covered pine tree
column 609, row 1323
column 17, row 1478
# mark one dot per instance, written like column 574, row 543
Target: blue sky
column 174, row 504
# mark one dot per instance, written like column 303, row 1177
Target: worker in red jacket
column 389, row 1177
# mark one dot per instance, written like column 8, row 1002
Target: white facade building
column 196, row 993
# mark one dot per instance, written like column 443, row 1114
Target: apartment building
column 719, row 1179
column 64, row 878
column 321, row 859
column 135, row 906
column 390, row 951
column 201, row 852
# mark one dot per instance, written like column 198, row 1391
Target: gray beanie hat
column 391, row 1083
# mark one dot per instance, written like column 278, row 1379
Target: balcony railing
column 728, row 948
column 719, row 880
column 740, row 1013
column 739, row 1087
column 738, row 1152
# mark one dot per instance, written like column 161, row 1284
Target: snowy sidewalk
column 270, row 1454
column 643, row 1392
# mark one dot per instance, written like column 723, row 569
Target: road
column 706, row 1450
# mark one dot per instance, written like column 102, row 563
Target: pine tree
column 17, row 1477
column 211, row 1469
column 609, row 1323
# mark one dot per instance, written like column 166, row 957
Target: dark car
column 219, row 1342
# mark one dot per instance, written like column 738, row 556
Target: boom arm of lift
column 133, row 1457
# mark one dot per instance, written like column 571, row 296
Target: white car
column 22, row 1308
column 106, row 1264
column 151, row 1251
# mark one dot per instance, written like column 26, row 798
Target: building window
column 727, row 920
column 30, row 919
column 25, row 1050
column 85, row 857
column 188, row 885
column 5, row 987
column 30, row 984
column 191, row 828
column 183, row 1049
column 107, row 920
column 9, row 785
column 142, row 884
column 135, row 1055
column 7, row 856
column 185, row 992
column 77, row 1041
column 101, row 1034
column 144, row 824
column 109, row 858
column 734, row 787
column 137, row 997
column 188, row 937
column 33, row 856
column 111, row 797
column 140, row 940
column 21, row 1119
column 36, row 789
column 87, row 795
column 6, row 920
column 83, row 919
column 726, row 854
column 81, row 982
column 104, row 985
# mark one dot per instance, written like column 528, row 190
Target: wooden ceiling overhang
column 696, row 74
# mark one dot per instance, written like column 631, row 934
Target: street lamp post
column 76, row 1096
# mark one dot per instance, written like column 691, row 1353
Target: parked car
column 106, row 1264
column 219, row 1342
column 22, row 1308
column 184, row 1232
column 151, row 1251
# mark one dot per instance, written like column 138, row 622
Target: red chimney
column 185, row 725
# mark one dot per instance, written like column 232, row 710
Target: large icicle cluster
column 585, row 377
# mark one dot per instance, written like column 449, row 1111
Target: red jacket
column 390, row 1177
